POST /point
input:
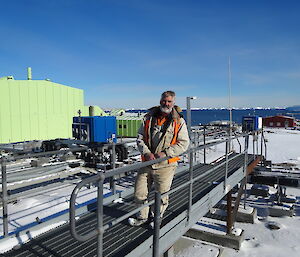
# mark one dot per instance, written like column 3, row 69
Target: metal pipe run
column 35, row 155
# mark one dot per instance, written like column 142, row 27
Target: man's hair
column 167, row 93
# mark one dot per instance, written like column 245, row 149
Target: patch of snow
column 214, row 226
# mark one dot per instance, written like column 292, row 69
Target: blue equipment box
column 99, row 129
column 251, row 123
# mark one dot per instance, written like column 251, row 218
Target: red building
column 279, row 121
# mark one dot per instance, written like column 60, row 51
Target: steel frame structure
column 192, row 214
column 182, row 221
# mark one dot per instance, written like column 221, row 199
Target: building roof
column 280, row 116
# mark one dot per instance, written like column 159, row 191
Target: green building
column 38, row 109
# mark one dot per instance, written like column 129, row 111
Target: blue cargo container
column 99, row 129
column 251, row 123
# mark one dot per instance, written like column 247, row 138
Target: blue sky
column 125, row 53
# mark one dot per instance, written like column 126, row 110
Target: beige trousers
column 162, row 180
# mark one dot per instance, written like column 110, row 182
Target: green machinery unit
column 127, row 126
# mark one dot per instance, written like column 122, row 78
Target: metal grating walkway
column 122, row 239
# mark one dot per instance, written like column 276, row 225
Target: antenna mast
column 230, row 108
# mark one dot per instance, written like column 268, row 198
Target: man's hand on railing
column 149, row 156
column 160, row 155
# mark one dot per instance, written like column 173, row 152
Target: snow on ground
column 282, row 149
column 283, row 146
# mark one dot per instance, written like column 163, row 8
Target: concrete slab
column 214, row 231
column 247, row 215
column 187, row 246
column 280, row 211
column 230, row 241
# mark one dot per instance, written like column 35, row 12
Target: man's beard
column 165, row 109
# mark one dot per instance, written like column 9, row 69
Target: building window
column 278, row 124
column 271, row 124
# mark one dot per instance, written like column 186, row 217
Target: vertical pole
column 188, row 115
column 257, row 153
column 261, row 147
column 265, row 147
column 157, row 221
column 226, row 165
column 190, row 185
column 195, row 144
column 79, row 118
column 113, row 165
column 245, row 168
column 230, row 108
column 4, row 197
column 204, row 143
column 100, row 216
column 253, row 144
column 229, row 212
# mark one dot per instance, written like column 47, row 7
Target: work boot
column 135, row 222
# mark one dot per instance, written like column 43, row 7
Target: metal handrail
column 101, row 176
column 6, row 159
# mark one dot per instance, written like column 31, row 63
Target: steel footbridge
column 104, row 230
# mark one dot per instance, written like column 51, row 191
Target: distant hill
column 295, row 108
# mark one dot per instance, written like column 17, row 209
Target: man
column 162, row 133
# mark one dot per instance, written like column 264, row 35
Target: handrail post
column 100, row 215
column 4, row 197
column 240, row 146
column 157, row 221
column 257, row 152
column 261, row 146
column 195, row 144
column 265, row 147
column 191, row 185
column 253, row 144
column 226, row 166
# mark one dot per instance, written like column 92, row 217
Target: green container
column 128, row 126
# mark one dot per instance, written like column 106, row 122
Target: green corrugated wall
column 37, row 110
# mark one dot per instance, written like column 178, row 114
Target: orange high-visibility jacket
column 171, row 137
